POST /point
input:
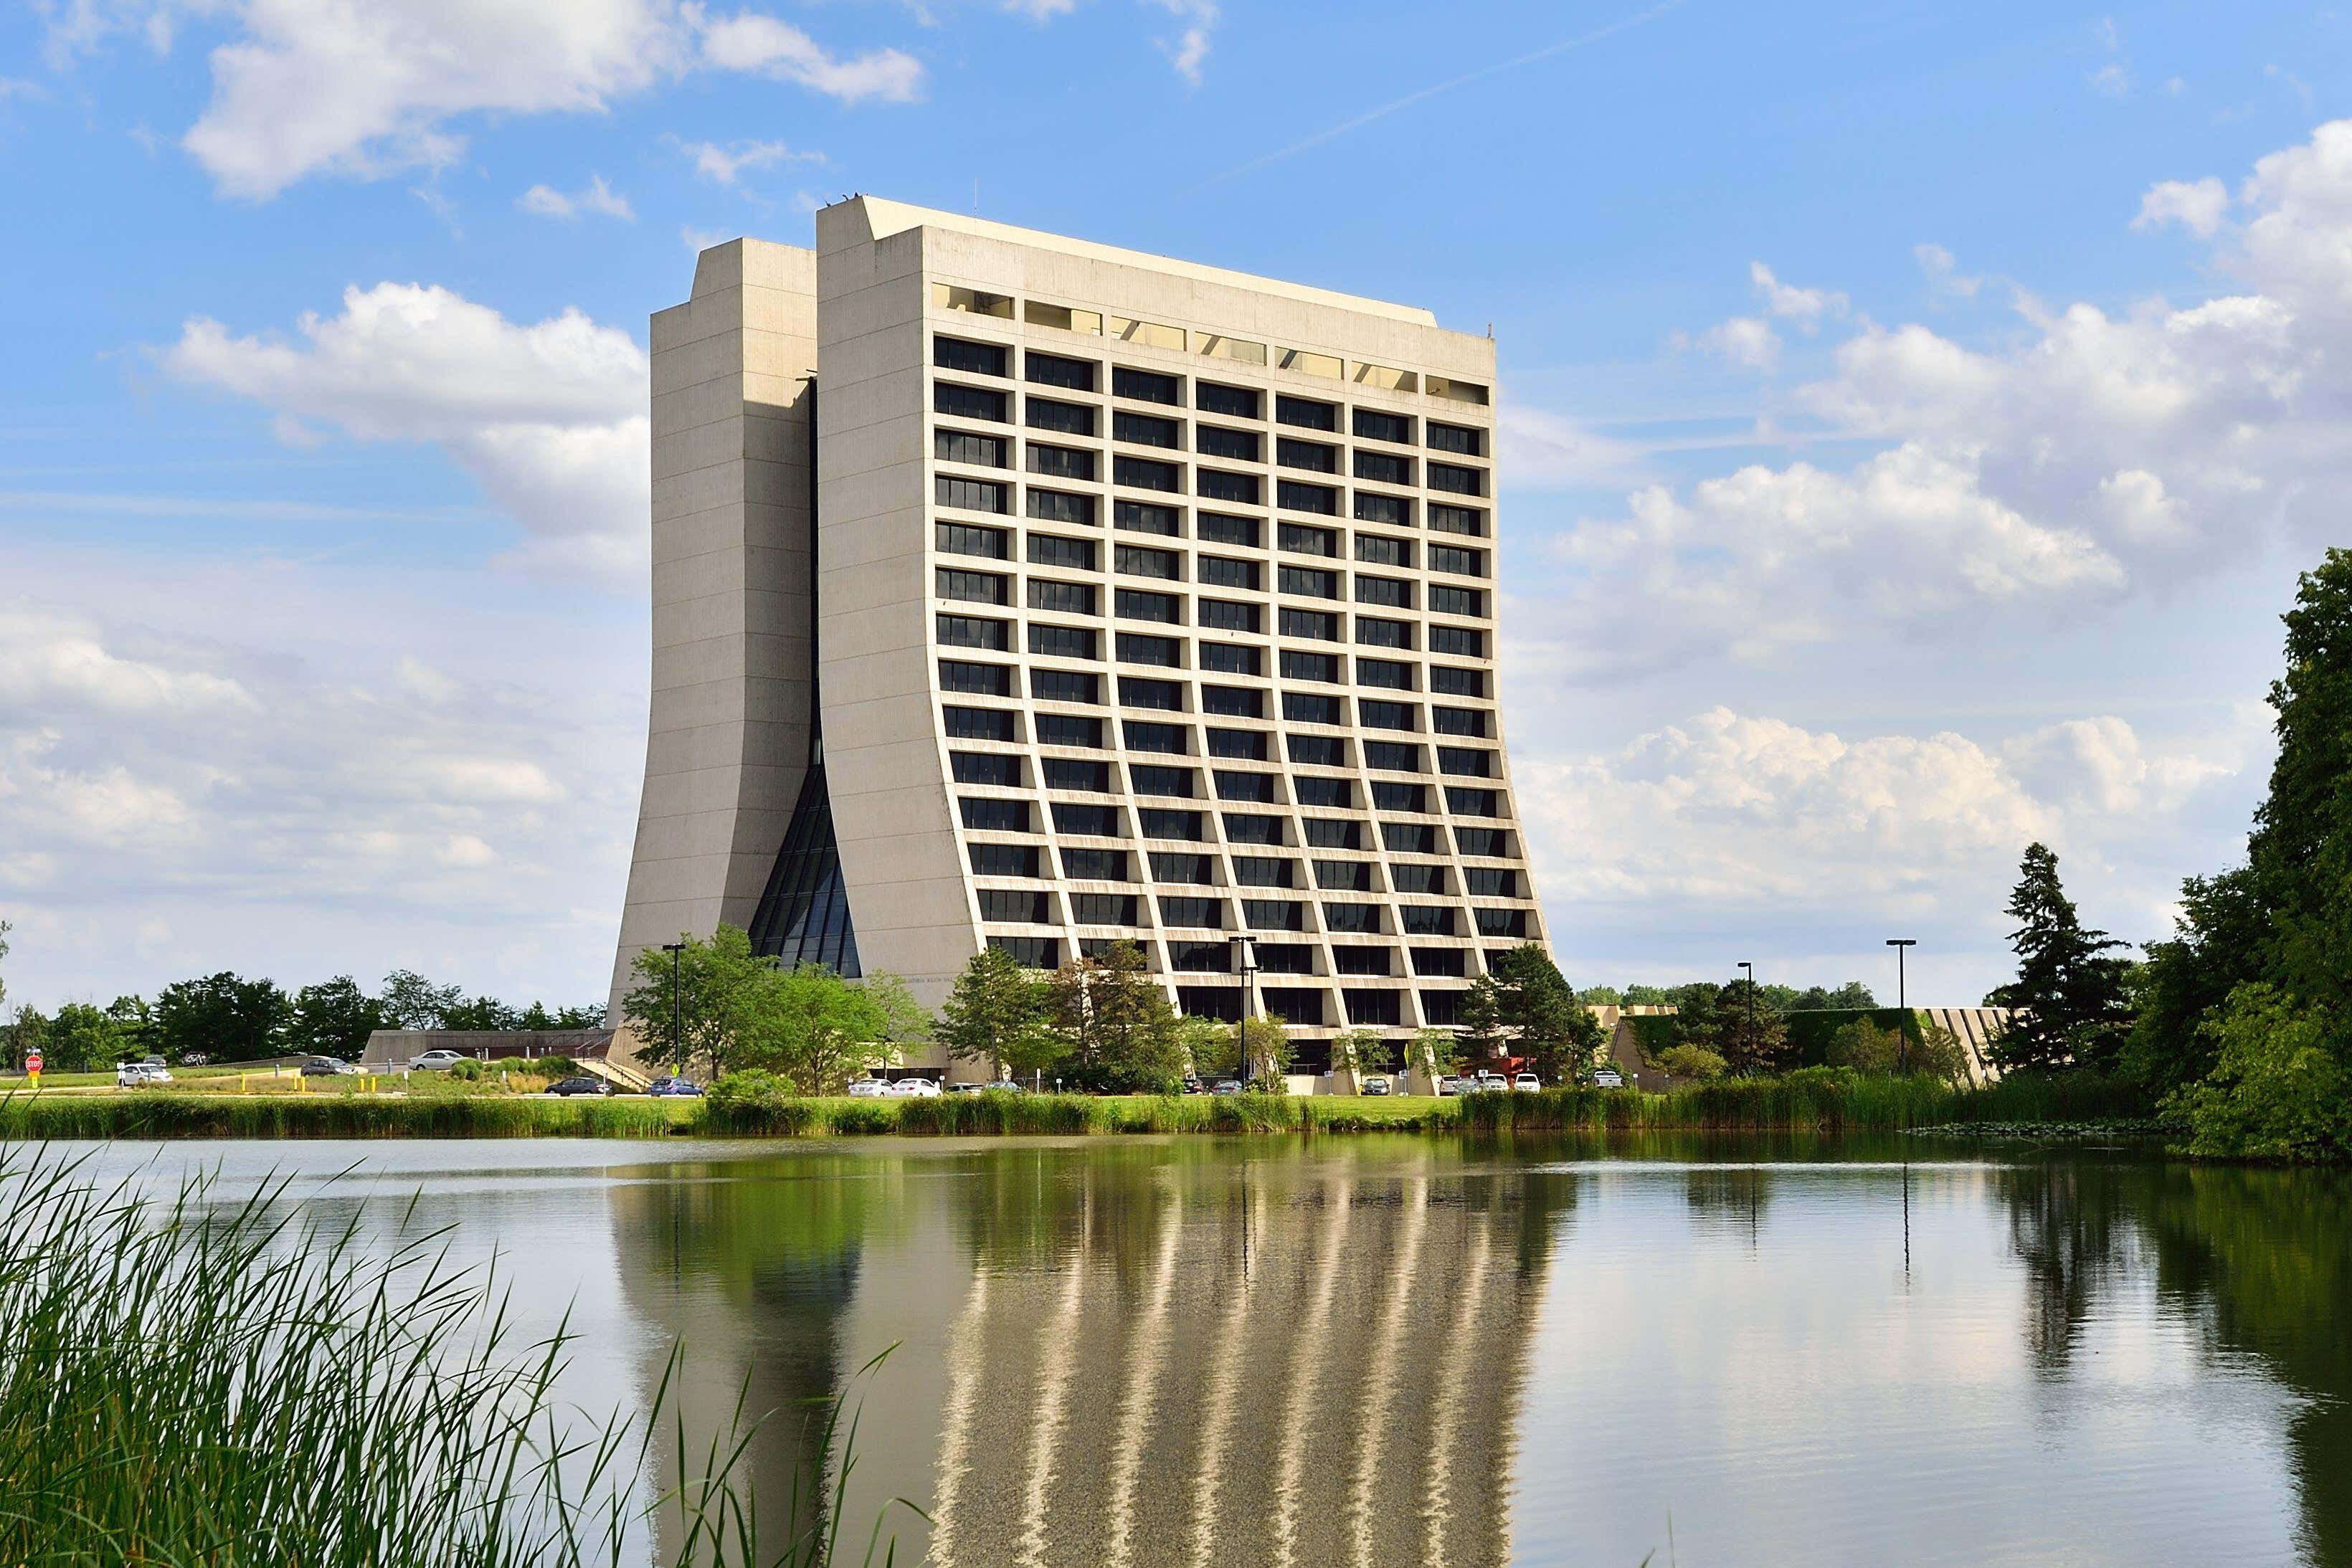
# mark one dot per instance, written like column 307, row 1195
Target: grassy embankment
column 1812, row 1101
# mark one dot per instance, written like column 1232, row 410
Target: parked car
column 1375, row 1084
column 440, row 1058
column 189, row 1059
column 1450, row 1085
column 139, row 1074
column 1490, row 1083
column 327, row 1066
column 994, row 1086
column 1225, row 1086
column 1525, row 1082
column 869, row 1089
column 915, row 1089
column 674, row 1088
column 1608, row 1078
column 584, row 1084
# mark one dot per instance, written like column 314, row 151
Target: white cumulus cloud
column 598, row 197
column 548, row 417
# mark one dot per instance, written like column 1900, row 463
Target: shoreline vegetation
column 244, row 1383
column 1808, row 1101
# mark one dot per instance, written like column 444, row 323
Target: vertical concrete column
column 734, row 442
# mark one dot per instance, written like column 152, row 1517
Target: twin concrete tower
column 1013, row 590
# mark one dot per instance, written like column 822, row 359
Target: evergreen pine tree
column 2068, row 995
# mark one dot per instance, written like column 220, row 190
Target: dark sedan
column 580, row 1085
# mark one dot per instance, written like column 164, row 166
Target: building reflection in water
column 1164, row 1353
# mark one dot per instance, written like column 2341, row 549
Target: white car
column 438, row 1060
column 1608, row 1078
column 140, row 1074
column 1527, row 1083
column 1490, row 1083
column 915, row 1089
column 869, row 1089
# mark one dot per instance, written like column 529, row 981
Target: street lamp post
column 1244, row 966
column 1751, row 1006
column 1901, row 1003
column 676, row 1015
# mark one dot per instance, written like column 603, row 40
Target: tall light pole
column 676, row 1017
column 1751, row 1006
column 1244, row 966
column 1901, row 1003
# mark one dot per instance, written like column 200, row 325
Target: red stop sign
column 33, row 1062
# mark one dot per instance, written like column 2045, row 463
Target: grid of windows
column 1394, row 561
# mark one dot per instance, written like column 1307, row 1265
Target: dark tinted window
column 1454, row 558
column 1224, row 615
column 1306, row 708
column 1444, row 600
column 1421, row 879
column 1167, row 738
column 1086, row 821
column 1458, row 720
column 1295, row 496
column 980, row 587
column 1389, row 796
column 967, row 403
column 976, row 724
column 1383, row 549
column 1327, row 833
column 1103, row 908
column 1371, row 424
column 1054, row 549
column 1061, row 462
column 1065, row 418
column 1317, row 792
column 1076, row 773
column 1318, row 456
column 1062, row 642
column 1299, row 666
column 1182, row 826
column 1095, row 865
column 972, row 359
column 1232, row 702
column 1152, row 778
column 1313, row 582
column 1069, row 598
column 1459, row 438
column 968, row 446
column 1228, row 658
column 1471, row 520
column 1318, row 624
column 1306, row 413
column 971, row 539
column 1011, row 904
column 1174, row 865
column 1233, row 785
column 1216, row 485
column 973, row 495
column 1224, row 571
column 1392, row 593
column 1450, row 682
column 1318, row 751
column 1147, row 518
column 1068, row 729
column 1145, row 429
column 1385, row 673
column 1457, row 480
column 1060, row 507
column 985, row 768
column 1137, row 604
column 1394, row 511
column 1143, row 560
column 1383, row 468
column 1146, row 473
column 1141, row 648
column 1065, row 686
column 1055, row 371
column 1004, row 860
column 1373, row 632
column 1236, row 403
column 986, row 816
column 1144, row 386
column 1460, row 640
column 1139, row 691
column 1215, row 441
column 1388, row 716
column 976, row 679
column 1224, row 528
column 975, row 631
column 1391, row 757
column 1305, row 538
column 1250, row 744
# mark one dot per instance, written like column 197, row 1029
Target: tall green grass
column 166, row 1115
column 183, row 1382
column 1817, row 1099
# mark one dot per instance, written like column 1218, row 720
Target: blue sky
column 1915, row 419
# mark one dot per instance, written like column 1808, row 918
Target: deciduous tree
column 334, row 1018
column 996, row 1013
column 224, row 1017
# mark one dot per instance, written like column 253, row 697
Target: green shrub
column 1692, row 1062
column 2279, row 1087
column 466, row 1071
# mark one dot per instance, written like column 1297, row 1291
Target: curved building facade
column 1014, row 590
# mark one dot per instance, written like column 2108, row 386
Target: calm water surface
column 1384, row 1351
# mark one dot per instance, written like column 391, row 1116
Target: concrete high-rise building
column 1012, row 589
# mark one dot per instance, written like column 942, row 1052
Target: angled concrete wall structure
column 1150, row 601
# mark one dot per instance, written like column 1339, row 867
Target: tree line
column 2240, row 1026
column 228, row 1017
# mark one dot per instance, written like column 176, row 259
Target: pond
column 1383, row 1351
